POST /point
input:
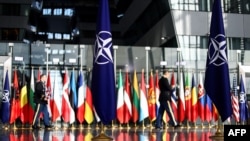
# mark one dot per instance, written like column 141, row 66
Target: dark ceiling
column 84, row 19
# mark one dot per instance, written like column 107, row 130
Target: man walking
column 41, row 101
column 165, row 97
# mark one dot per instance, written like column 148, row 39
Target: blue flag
column 73, row 89
column 217, row 83
column 243, row 102
column 5, row 107
column 103, row 80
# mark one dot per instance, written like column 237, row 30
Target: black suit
column 165, row 99
column 41, row 104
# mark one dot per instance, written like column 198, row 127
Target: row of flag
column 135, row 101
column 73, row 102
column 189, row 101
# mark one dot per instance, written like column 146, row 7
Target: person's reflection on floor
column 46, row 135
column 36, row 135
column 166, row 136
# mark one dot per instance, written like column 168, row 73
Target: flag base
column 217, row 137
column 102, row 137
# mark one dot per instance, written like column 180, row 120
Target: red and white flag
column 120, row 101
column 68, row 114
column 181, row 101
column 127, row 99
column 173, row 96
column 55, row 104
column 49, row 93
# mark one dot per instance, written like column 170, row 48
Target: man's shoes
column 49, row 126
column 177, row 126
column 36, row 127
column 158, row 127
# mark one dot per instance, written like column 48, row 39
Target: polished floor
column 115, row 133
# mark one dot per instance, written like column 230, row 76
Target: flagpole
column 80, row 70
column 178, row 75
column 147, row 48
column 47, row 46
column 81, row 55
column 115, row 47
column 238, row 63
column 11, row 45
column 218, row 134
column 102, row 136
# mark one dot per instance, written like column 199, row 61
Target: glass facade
column 193, row 47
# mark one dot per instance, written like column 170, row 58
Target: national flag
column 81, row 97
column 120, row 100
column 55, row 103
column 201, row 99
column 215, row 113
column 181, row 101
column 24, row 101
column 89, row 115
column 235, row 101
column 127, row 99
column 31, row 96
column 151, row 98
column 38, row 75
column 243, row 102
column 194, row 113
column 49, row 93
column 208, row 109
column 135, row 99
column 104, row 97
column 73, row 94
column 217, row 83
column 143, row 99
column 15, row 102
column 5, row 105
column 188, row 100
column 157, row 92
column 173, row 96
column 68, row 114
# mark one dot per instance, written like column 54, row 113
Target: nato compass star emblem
column 103, row 53
column 5, row 96
column 217, row 50
column 242, row 97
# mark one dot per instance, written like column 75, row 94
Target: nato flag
column 217, row 83
column 5, row 107
column 103, row 78
column 243, row 102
